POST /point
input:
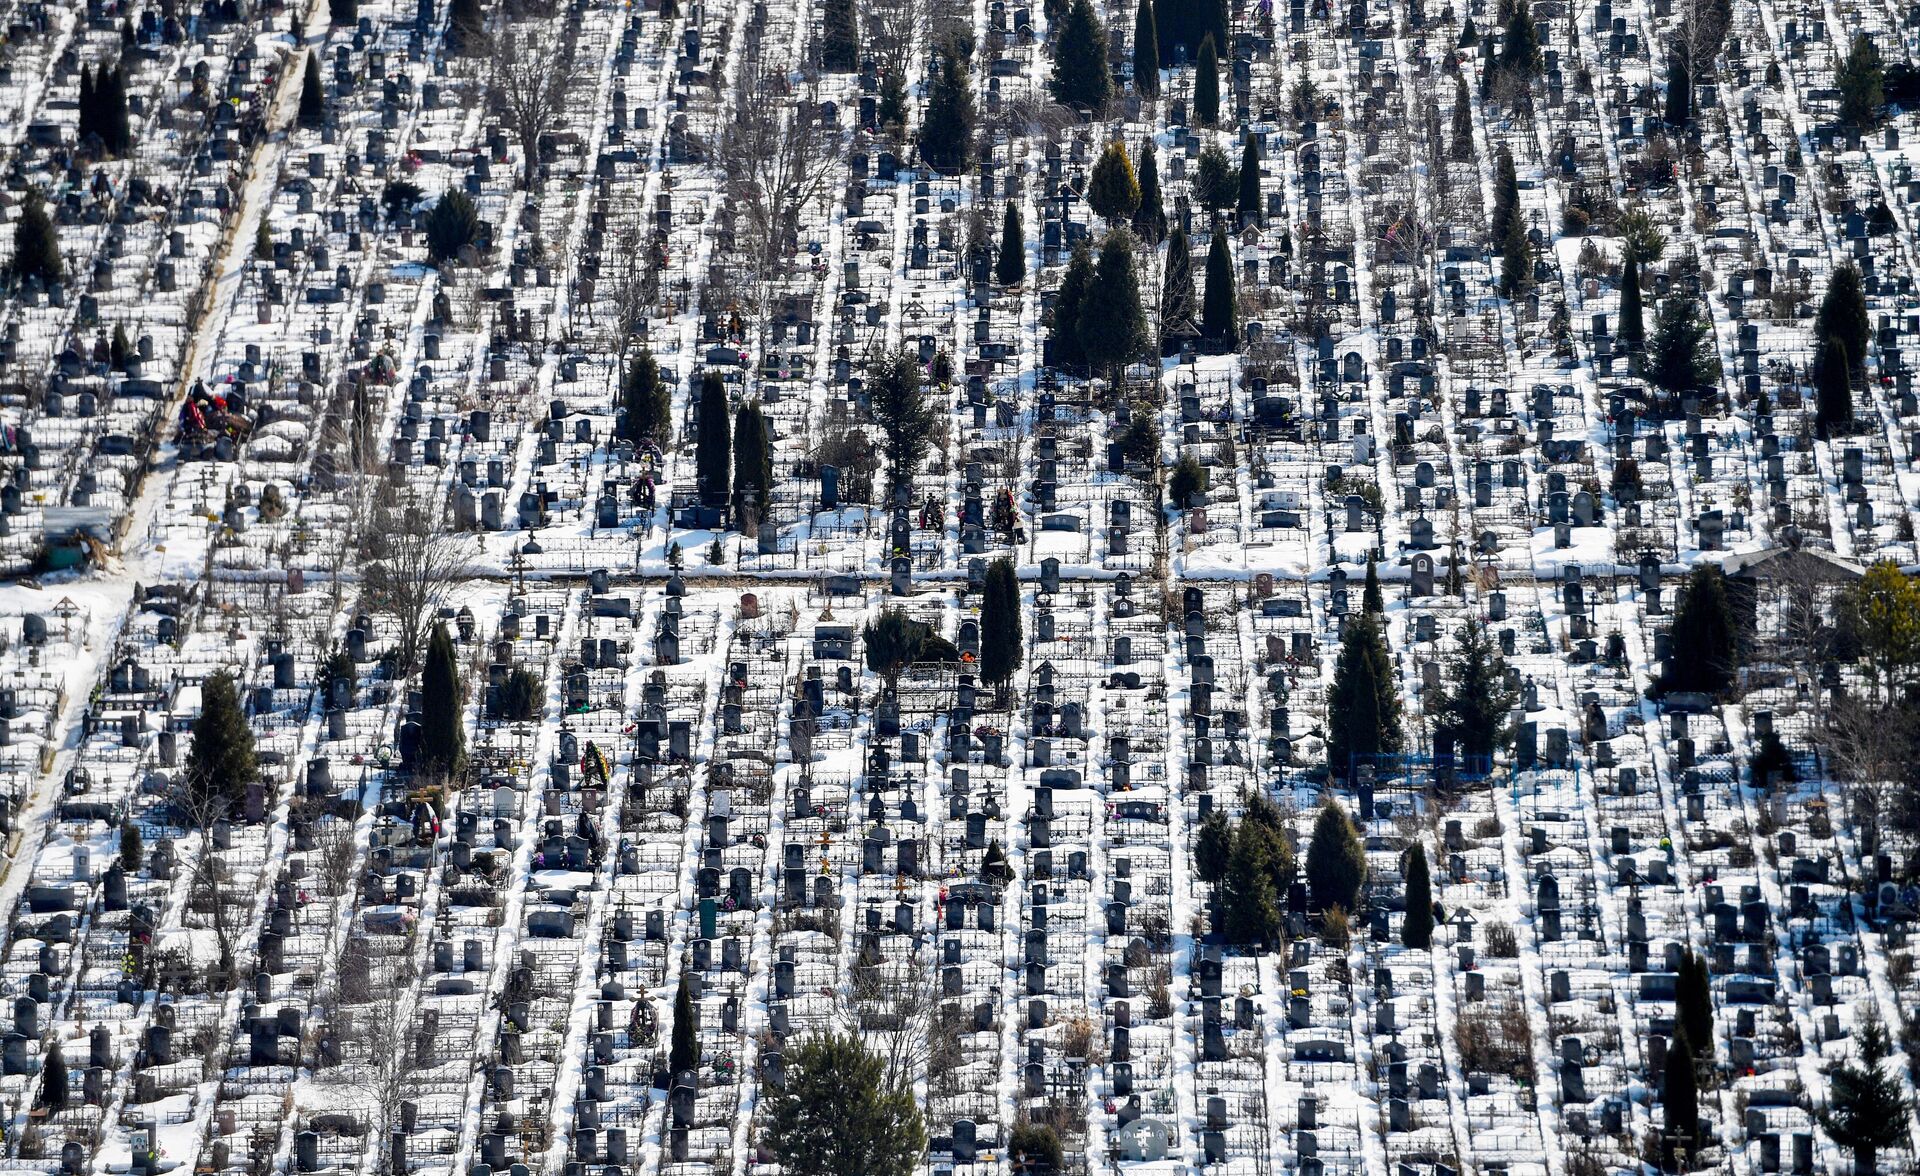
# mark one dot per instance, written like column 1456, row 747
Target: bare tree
column 409, row 569
column 1875, row 747
column 528, row 87
column 894, row 29
column 635, row 285
column 895, row 1009
column 375, row 1040
column 213, row 900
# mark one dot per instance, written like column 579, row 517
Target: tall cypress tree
column 1206, row 84
column 54, row 1091
column 220, row 762
column 1705, row 651
column 1833, row 389
column 1506, row 196
column 1178, row 313
column 1146, row 52
column 1336, row 861
column 1249, row 201
column 1363, row 709
column 712, row 450
column 1068, row 302
column 647, row 400
column 36, row 243
column 1011, row 267
column 1680, row 1098
column 1112, row 189
column 89, row 105
column 1679, row 92
column 1416, row 928
column 1150, row 219
column 683, row 1051
column 343, row 12
column 1633, row 319
column 1219, row 317
column 1113, row 328
column 116, row 131
column 946, row 137
column 1516, row 260
column 1843, row 316
column 1473, row 706
column 313, row 103
column 1462, row 148
column 1001, row 642
column 752, row 463
column 1693, row 1004
column 443, row 748
column 1372, row 600
column 1080, row 73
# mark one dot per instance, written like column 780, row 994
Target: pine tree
column 1178, row 312
column 1363, row 709
column 900, row 409
column 1212, row 844
column 221, row 762
column 752, row 464
column 1146, row 52
column 36, row 243
column 1520, row 51
column 1416, row 928
column 1215, row 182
column 1516, row 260
column 1080, row 73
column 1705, row 652
column 313, row 103
column 1866, row 1108
column 839, row 37
column 712, row 446
column 53, row 1081
column 1832, row 387
column 1113, row 328
column 1682, row 355
column 1861, row 80
column 89, row 106
column 1219, row 319
column 1693, row 1004
column 1211, row 20
column 1680, row 1098
column 1336, row 861
column 1250, row 907
column 132, row 852
column 1112, row 190
column 452, row 224
column 892, row 111
column 842, row 1109
column 1206, row 84
column 115, row 129
column 1679, row 92
column 443, row 750
column 1372, row 600
column 1068, row 302
column 1011, row 267
column 1633, row 325
column 1188, row 480
column 343, row 13
column 1468, row 35
column 1506, row 196
column 1473, row 706
column 1001, row 642
column 946, row 137
column 1462, row 149
column 1249, row 202
column 1843, row 316
column 683, row 1051
column 1150, row 219
column 647, row 400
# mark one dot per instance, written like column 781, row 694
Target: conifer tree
column 1861, row 80
column 1249, row 201
column 752, row 464
column 946, row 137
column 1112, row 190
column 54, row 1092
column 1363, row 708
column 1011, row 267
column 1866, row 1108
column 1372, row 600
column 313, row 103
column 1178, row 311
column 1473, row 705
column 443, row 750
column 900, row 409
column 1146, row 51
column 1705, row 651
column 1080, row 73
column 683, row 1051
column 1682, row 355
column 1113, row 328
column 1832, row 388
column 1068, row 303
column 1150, row 219
column 1516, row 260
column 647, row 400
column 1693, row 1004
column 220, row 762
column 89, row 105
column 36, row 243
column 1336, row 861
column 1206, row 84
column 1843, row 316
column 1212, row 844
column 712, row 446
column 1250, row 906
column 1416, row 928
column 1001, row 642
column 1680, row 1100
column 1520, row 51
column 1679, row 92
column 115, row 129
column 839, row 37
column 343, row 12
column 1219, row 317
column 465, row 22
column 842, row 1108
column 1462, row 148
column 1633, row 325
column 1506, row 196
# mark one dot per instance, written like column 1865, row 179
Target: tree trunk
column 1865, row 1160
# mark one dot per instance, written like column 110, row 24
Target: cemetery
column 804, row 587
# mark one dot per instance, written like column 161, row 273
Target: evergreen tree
column 115, row 129
column 1693, row 1004
column 36, row 243
column 1249, row 202
column 1416, row 928
column 839, row 1110
column 1011, row 267
column 839, row 37
column 465, row 22
column 89, row 106
column 1506, row 196
column 313, row 103
column 647, row 400
column 1187, row 480
column 452, row 224
column 1843, row 316
column 1473, row 707
column 1832, row 387
column 1215, row 182
column 132, row 852
column 1682, row 355
column 1080, row 73
column 1705, row 651
column 1250, row 908
column 443, row 745
column 683, row 1051
column 1219, row 319
column 1336, row 861
column 752, row 463
column 220, row 763
column 1206, row 84
column 343, row 13
column 1146, row 52
column 1516, row 260
column 1633, row 325
column 892, row 111
column 712, row 446
column 1112, row 190
column 1469, row 36
column 1866, row 1108
column 1113, row 328
column 1680, row 1098
column 1068, row 302
column 1177, row 307
column 946, row 137
column 1212, row 19
column 1372, row 600
column 1363, row 709
column 1520, row 50
column 1001, row 642
column 1679, row 92
column 1462, row 149
column 900, row 409
column 1861, row 80
column 1150, row 219
column 53, row 1081
column 1171, row 19
column 1211, row 846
